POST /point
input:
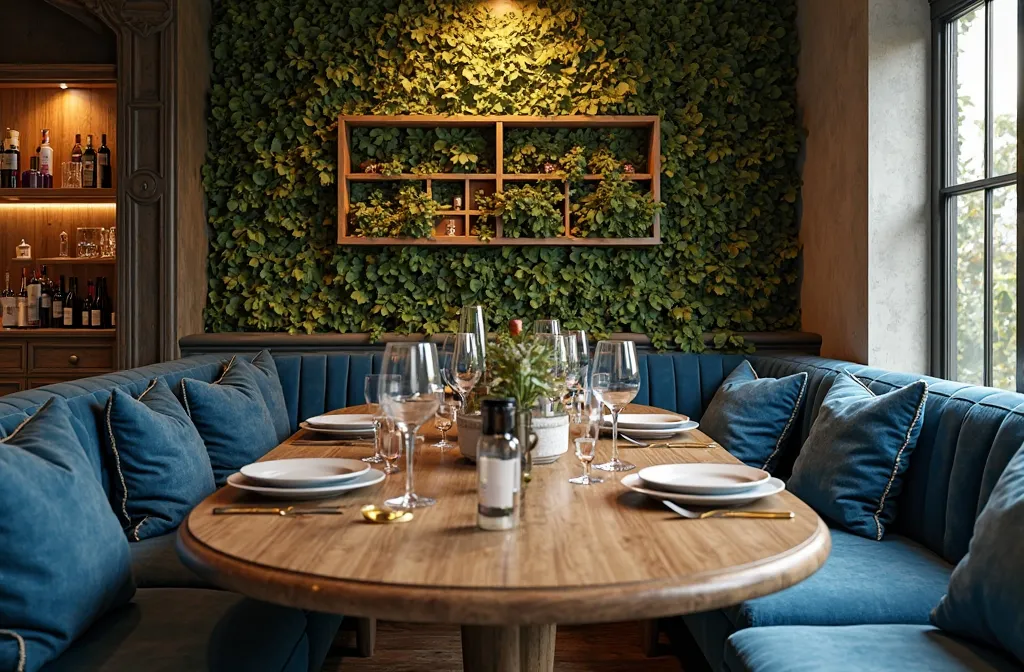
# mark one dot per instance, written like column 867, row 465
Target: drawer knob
column 73, row 359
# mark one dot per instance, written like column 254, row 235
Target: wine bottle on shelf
column 22, row 301
column 86, row 310
column 45, row 152
column 89, row 164
column 45, row 301
column 33, row 300
column 31, row 179
column 99, row 307
column 9, row 303
column 57, row 305
column 106, row 169
column 70, row 299
column 76, row 151
column 10, row 163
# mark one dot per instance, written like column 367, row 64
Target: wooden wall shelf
column 58, row 195
column 496, row 180
column 68, row 261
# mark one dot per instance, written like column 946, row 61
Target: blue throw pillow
column 851, row 466
column 162, row 469
column 270, row 386
column 985, row 598
column 232, row 418
column 751, row 417
column 64, row 561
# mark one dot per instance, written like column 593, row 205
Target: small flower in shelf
column 515, row 327
column 548, row 167
column 628, row 168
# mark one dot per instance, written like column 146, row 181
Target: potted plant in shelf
column 518, row 366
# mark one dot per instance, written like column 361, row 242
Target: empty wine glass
column 371, row 392
column 444, row 361
column 585, row 430
column 443, row 421
column 559, row 366
column 583, row 353
column 572, row 369
column 616, row 380
column 471, row 320
column 410, row 400
column 547, row 327
column 390, row 447
column 467, row 364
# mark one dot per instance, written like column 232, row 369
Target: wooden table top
column 582, row 554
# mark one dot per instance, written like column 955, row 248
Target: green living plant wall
column 720, row 73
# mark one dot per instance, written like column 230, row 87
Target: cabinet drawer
column 66, row 359
column 10, row 386
column 12, row 358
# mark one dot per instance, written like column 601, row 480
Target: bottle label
column 45, row 303
column 95, row 318
column 33, row 304
column 113, row 319
column 85, row 318
column 88, row 173
column 69, row 316
column 9, row 161
column 104, row 159
column 46, row 161
column 57, row 310
column 10, row 305
column 22, row 311
column 496, row 482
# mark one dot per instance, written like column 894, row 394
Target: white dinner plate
column 653, row 433
column 365, row 479
column 343, row 433
column 702, row 478
column 303, row 472
column 648, row 420
column 772, row 486
column 353, row 421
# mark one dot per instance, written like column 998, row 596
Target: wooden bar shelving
column 58, row 195
column 67, row 261
column 496, row 179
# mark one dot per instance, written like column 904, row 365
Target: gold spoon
column 375, row 514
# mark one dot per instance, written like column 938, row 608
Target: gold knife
column 276, row 510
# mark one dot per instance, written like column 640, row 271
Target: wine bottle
column 106, row 170
column 33, row 300
column 31, row 179
column 70, row 314
column 45, row 300
column 10, row 162
column 45, row 152
column 98, row 307
column 22, row 302
column 89, row 164
column 9, row 303
column 86, row 309
column 76, row 151
column 57, row 305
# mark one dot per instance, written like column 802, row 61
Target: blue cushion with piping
column 851, row 467
column 64, row 561
column 232, row 418
column 986, row 592
column 751, row 417
column 273, row 394
column 161, row 468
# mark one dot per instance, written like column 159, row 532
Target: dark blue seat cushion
column 752, row 417
column 178, row 629
column 850, row 469
column 879, row 648
column 273, row 393
column 232, row 418
column 161, row 465
column 156, row 564
column 64, row 561
column 986, row 594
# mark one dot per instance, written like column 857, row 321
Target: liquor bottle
column 57, row 305
column 498, row 467
column 10, row 163
column 31, row 179
column 22, row 302
column 45, row 152
column 45, row 301
column 99, row 307
column 76, row 151
column 89, row 164
column 106, row 170
column 9, row 303
column 86, row 309
column 33, row 300
column 70, row 299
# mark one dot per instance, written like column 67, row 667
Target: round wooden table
column 582, row 554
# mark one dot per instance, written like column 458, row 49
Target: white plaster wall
column 898, row 184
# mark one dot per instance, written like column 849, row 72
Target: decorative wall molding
column 144, row 17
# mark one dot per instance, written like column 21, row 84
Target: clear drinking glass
column 559, row 366
column 410, row 401
column 586, row 449
column 444, row 359
column 547, row 327
column 467, row 364
column 585, row 430
column 583, row 352
column 443, row 421
column 572, row 370
column 616, row 380
column 471, row 320
column 390, row 446
column 371, row 392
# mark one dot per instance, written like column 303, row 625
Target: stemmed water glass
column 410, row 400
column 616, row 380
column 588, row 427
column 443, row 421
column 371, row 392
column 583, row 352
column 471, row 320
column 390, row 448
column 559, row 366
column 572, row 370
column 467, row 364
column 547, row 327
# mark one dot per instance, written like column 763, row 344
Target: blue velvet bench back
column 968, row 437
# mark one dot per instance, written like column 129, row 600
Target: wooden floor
column 403, row 647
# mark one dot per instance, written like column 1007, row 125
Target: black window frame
column 944, row 14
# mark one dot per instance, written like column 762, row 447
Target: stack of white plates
column 355, row 426
column 704, row 484
column 305, row 478
column 650, row 425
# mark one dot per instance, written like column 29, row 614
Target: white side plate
column 365, row 479
column 353, row 421
column 648, row 420
column 772, row 487
column 652, row 433
column 702, row 478
column 350, row 433
column 304, row 472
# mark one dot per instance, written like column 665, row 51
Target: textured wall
column 899, row 189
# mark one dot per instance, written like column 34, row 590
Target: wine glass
column 371, row 392
column 443, row 420
column 410, row 400
column 616, row 379
column 572, row 369
column 559, row 366
column 547, row 327
column 583, row 350
column 471, row 320
column 444, row 360
column 390, row 447
column 586, row 429
column 467, row 364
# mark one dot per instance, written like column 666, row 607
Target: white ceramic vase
column 552, row 437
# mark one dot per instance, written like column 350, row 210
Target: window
column 976, row 220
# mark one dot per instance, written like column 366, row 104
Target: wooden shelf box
column 492, row 182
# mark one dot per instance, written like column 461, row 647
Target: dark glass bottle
column 10, row 303
column 57, row 305
column 86, row 308
column 34, row 290
column 70, row 304
column 22, row 302
column 98, row 306
column 45, row 301
column 105, row 167
column 31, row 178
column 10, row 162
column 89, row 164
column 76, row 151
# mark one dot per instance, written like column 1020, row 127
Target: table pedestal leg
column 508, row 649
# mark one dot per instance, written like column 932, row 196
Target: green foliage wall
column 720, row 73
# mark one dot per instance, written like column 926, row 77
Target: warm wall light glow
column 54, row 204
column 502, row 7
column 63, row 85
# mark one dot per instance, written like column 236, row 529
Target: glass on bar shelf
column 64, row 247
column 72, row 171
column 108, row 241
column 89, row 240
